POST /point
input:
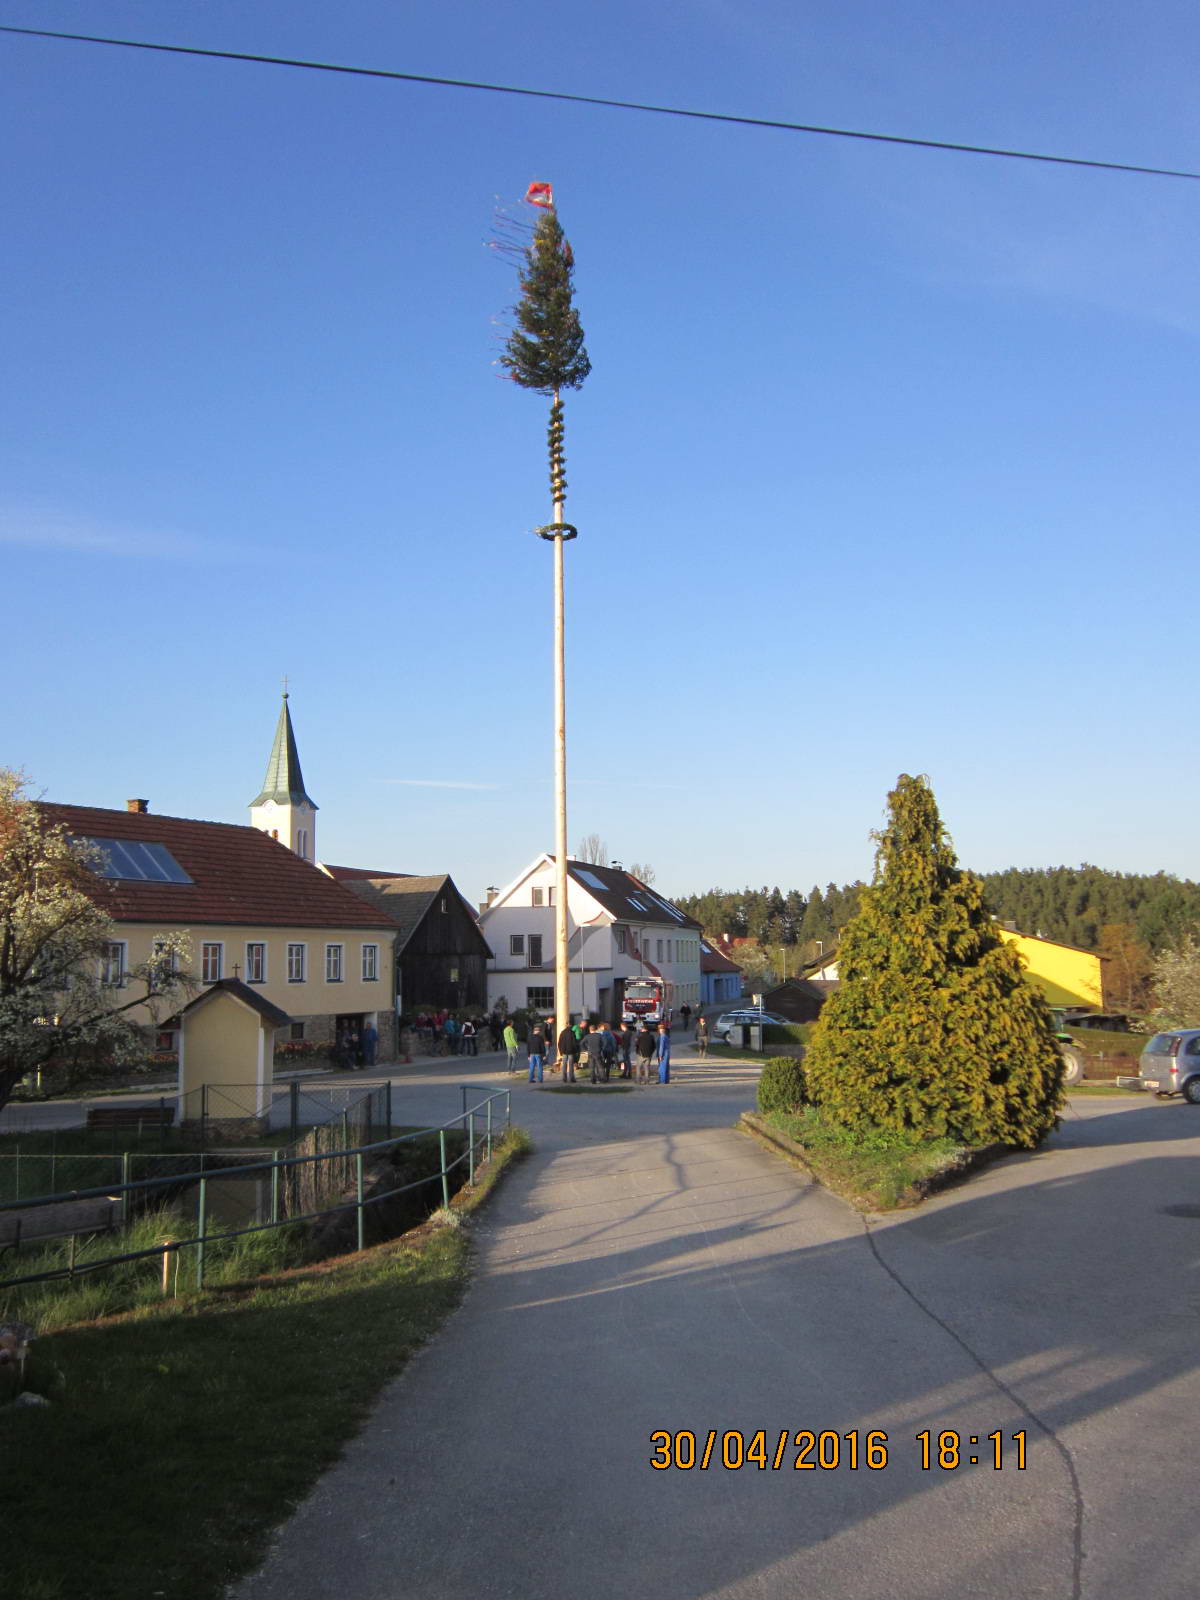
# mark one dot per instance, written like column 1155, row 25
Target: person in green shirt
column 510, row 1044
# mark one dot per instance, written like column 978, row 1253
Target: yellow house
column 1066, row 976
column 253, row 910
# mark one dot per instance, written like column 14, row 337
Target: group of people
column 457, row 1036
column 354, row 1047
column 602, row 1048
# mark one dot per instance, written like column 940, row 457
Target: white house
column 617, row 927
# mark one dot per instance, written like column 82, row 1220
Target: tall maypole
column 545, row 352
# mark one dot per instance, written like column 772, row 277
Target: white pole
column 562, row 974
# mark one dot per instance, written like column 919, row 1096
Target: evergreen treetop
column 545, row 351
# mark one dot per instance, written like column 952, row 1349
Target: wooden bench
column 159, row 1116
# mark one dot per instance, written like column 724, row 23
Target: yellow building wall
column 223, row 1047
column 1065, row 976
column 314, row 996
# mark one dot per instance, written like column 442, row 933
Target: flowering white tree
column 1176, row 987
column 53, row 940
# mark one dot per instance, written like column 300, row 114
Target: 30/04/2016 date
column 810, row 1451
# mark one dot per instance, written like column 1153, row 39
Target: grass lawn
column 1103, row 1040
column 727, row 1052
column 190, row 1428
column 874, row 1172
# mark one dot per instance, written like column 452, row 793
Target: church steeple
column 284, row 809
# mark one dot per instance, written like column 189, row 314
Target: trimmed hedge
column 781, row 1086
column 786, row 1032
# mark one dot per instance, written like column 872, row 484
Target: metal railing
column 221, row 1109
column 284, row 1192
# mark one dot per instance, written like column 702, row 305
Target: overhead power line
column 599, row 100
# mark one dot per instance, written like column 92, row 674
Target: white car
column 737, row 1019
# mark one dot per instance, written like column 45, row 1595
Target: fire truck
column 645, row 1000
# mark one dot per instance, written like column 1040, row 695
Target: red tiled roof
column 713, row 961
column 239, row 875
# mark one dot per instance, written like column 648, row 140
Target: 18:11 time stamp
column 947, row 1451
column 811, row 1451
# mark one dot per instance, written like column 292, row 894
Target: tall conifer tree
column 933, row 1029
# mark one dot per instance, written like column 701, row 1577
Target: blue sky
column 887, row 462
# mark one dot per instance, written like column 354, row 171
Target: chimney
column 492, row 892
column 138, row 806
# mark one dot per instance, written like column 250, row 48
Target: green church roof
column 284, row 782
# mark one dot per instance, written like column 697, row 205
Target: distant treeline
column 1071, row 904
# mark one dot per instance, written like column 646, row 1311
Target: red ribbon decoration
column 540, row 194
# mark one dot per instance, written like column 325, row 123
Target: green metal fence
column 295, row 1188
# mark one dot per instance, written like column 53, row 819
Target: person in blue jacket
column 664, row 1053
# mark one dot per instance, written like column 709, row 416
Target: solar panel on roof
column 590, row 878
column 135, row 861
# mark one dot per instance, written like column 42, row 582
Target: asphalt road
column 651, row 1268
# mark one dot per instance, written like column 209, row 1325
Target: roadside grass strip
column 1105, row 1088
column 873, row 1171
column 190, row 1428
column 585, row 1088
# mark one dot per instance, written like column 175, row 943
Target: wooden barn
column 441, row 955
column 798, row 999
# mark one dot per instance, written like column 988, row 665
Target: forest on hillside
column 1084, row 906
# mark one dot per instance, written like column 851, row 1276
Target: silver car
column 746, row 1017
column 1170, row 1064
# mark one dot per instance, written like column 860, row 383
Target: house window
column 164, row 956
column 112, row 964
column 298, row 1027
column 516, row 944
column 333, row 963
column 163, row 961
column 443, row 905
column 210, row 962
column 539, row 897
column 539, row 999
column 535, row 949
column 302, row 842
column 164, row 1039
column 256, row 963
column 370, row 955
column 658, row 957
column 620, row 935
column 295, row 964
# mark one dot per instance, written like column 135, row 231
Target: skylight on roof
column 590, row 878
column 634, row 901
column 135, row 861
column 669, row 908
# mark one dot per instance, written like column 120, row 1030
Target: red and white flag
column 540, row 194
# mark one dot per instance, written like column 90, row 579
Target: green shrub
column 781, row 1086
